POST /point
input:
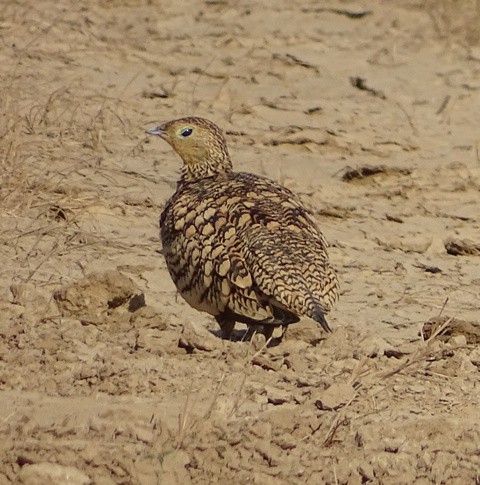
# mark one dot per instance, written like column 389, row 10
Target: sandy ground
column 370, row 111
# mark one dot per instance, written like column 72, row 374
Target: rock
column 147, row 317
column 174, row 468
column 462, row 247
column 98, row 295
column 453, row 327
column 374, row 345
column 411, row 244
column 53, row 474
column 336, row 396
column 196, row 337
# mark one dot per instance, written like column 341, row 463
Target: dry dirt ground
column 371, row 111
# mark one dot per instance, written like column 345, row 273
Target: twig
column 336, row 423
column 183, row 421
column 419, row 354
column 409, row 119
column 443, row 307
column 236, row 404
column 208, row 414
column 443, row 105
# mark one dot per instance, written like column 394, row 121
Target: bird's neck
column 205, row 169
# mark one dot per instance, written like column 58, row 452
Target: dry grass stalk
column 339, row 420
column 419, row 355
column 216, row 395
column 42, row 197
column 184, row 422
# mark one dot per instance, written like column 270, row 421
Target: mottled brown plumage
column 239, row 246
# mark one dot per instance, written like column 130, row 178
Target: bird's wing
column 273, row 205
column 237, row 284
column 291, row 267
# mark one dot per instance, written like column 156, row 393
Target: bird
column 237, row 245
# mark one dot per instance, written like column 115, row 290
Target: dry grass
column 54, row 135
column 45, row 147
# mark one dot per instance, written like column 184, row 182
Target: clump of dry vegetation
column 44, row 147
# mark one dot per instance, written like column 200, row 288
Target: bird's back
column 243, row 243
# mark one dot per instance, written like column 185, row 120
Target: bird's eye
column 186, row 132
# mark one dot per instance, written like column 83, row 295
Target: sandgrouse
column 237, row 245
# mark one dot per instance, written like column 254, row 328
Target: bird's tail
column 316, row 312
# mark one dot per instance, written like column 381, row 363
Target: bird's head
column 200, row 144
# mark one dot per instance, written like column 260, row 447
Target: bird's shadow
column 245, row 336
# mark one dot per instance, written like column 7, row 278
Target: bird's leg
column 267, row 331
column 227, row 325
column 250, row 332
column 279, row 317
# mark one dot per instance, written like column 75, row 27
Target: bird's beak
column 156, row 130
